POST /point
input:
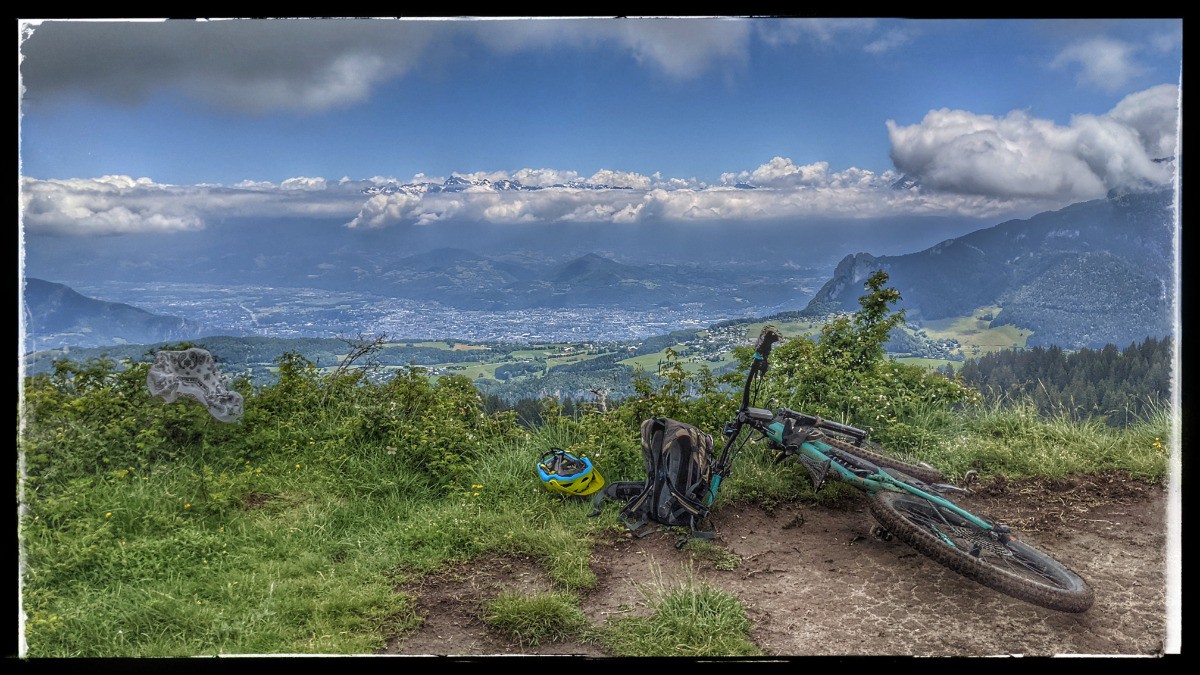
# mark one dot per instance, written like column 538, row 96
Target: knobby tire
column 874, row 453
column 1015, row 569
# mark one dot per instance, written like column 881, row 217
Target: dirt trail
column 815, row 582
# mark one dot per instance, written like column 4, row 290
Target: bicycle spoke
column 969, row 538
column 981, row 553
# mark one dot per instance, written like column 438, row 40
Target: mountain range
column 459, row 184
column 1092, row 273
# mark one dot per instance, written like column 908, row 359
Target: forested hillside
column 1118, row 385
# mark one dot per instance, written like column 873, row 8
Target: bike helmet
column 563, row 472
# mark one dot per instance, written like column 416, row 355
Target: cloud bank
column 122, row 205
column 1019, row 156
column 313, row 65
column 247, row 66
column 965, row 164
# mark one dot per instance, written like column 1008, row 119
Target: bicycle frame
column 814, row 450
column 882, row 481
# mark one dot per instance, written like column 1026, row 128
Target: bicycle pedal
column 880, row 533
column 816, row 470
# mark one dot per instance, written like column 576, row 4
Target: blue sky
column 149, row 126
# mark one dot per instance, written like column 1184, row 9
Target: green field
column 931, row 364
column 788, row 328
column 471, row 369
column 974, row 335
column 649, row 362
column 552, row 361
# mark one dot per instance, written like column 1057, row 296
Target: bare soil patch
column 814, row 580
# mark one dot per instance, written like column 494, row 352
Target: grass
column 650, row 362
column 530, row 620
column 688, row 619
column 161, row 565
column 1013, row 440
column 974, row 335
column 470, row 369
column 572, row 358
column 720, row 557
column 300, row 547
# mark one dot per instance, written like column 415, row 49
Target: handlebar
column 758, row 366
column 820, row 423
column 759, row 363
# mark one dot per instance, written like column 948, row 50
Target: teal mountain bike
column 908, row 500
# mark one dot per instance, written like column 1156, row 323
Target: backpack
column 678, row 488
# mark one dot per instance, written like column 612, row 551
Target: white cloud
column 823, row 31
column 311, row 65
column 685, row 48
column 782, row 172
column 123, row 205
column 1153, row 114
column 105, row 205
column 381, row 210
column 1166, row 41
column 1019, row 156
column 968, row 165
column 543, row 177
column 304, row 183
column 852, row 193
column 1104, row 62
column 620, row 179
column 888, row 41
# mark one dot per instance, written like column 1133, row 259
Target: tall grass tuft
column 1014, row 440
column 531, row 620
column 689, row 619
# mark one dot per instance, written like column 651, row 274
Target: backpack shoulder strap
column 626, row 489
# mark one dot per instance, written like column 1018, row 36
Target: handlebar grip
column 813, row 420
column 801, row 418
column 762, row 349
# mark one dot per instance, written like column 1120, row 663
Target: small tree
column 856, row 342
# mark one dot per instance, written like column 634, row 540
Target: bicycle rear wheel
column 876, row 454
column 1013, row 567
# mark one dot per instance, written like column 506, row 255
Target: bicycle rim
column 1014, row 568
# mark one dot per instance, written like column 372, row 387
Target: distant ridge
column 57, row 316
column 1089, row 274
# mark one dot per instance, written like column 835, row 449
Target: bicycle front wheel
column 1011, row 567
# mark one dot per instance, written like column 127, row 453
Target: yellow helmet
column 563, row 472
